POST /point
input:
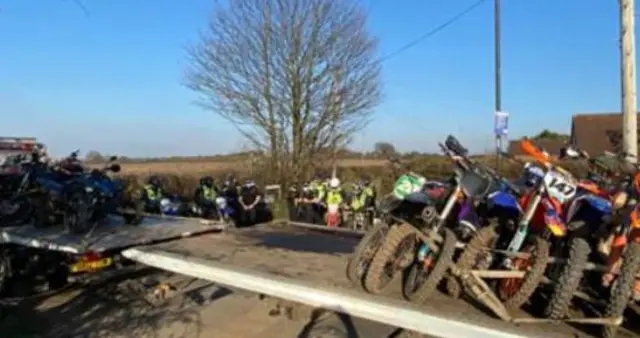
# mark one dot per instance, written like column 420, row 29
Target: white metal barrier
column 386, row 311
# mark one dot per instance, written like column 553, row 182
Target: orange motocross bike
column 623, row 261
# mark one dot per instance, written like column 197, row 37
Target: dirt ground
column 319, row 259
column 108, row 312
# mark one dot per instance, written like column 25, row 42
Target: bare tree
column 94, row 156
column 384, row 149
column 294, row 76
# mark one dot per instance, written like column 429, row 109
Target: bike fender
column 504, row 200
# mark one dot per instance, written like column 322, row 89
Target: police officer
column 368, row 198
column 305, row 208
column 152, row 194
column 249, row 199
column 293, row 196
column 334, row 194
column 205, row 197
column 319, row 188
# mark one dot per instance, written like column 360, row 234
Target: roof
column 596, row 133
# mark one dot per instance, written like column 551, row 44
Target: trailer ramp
column 308, row 267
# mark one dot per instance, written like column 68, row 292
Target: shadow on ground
column 105, row 311
column 301, row 240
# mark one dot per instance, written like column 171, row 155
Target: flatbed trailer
column 307, row 266
column 297, row 263
column 55, row 257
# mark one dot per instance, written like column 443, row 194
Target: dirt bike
column 429, row 249
column 526, row 244
column 412, row 193
column 360, row 219
column 622, row 248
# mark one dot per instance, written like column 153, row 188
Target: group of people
column 308, row 202
column 243, row 199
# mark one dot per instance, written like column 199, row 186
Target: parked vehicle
column 430, row 247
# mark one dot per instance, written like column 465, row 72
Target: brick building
column 593, row 133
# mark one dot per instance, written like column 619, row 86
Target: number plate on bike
column 559, row 186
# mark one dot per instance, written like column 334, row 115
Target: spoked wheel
column 76, row 219
column 475, row 255
column 395, row 254
column 569, row 280
column 623, row 288
column 515, row 292
column 359, row 262
column 424, row 276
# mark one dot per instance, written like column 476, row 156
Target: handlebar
column 462, row 158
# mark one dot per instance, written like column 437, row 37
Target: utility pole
column 628, row 74
column 498, row 74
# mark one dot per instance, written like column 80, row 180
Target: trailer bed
column 320, row 258
column 107, row 237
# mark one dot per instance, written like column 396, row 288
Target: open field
column 181, row 177
column 217, row 166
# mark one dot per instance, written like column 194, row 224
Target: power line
column 433, row 31
column 82, row 7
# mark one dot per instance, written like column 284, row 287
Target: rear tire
column 569, row 280
column 380, row 276
column 623, row 288
column 420, row 292
column 364, row 252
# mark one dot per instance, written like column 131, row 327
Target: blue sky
column 111, row 80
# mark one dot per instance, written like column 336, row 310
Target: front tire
column 359, row 262
column 395, row 254
column 569, row 279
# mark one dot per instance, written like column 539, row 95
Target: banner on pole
column 500, row 123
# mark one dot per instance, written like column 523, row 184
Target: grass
column 181, row 177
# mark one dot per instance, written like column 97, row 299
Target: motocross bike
column 89, row 196
column 429, row 248
column 527, row 243
column 623, row 249
column 412, row 193
column 587, row 215
column 356, row 215
column 110, row 194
